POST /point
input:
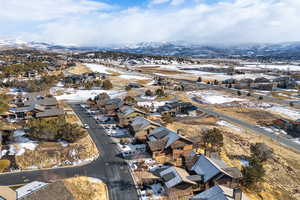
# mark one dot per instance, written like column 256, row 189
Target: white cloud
column 155, row 2
column 177, row 2
column 36, row 10
column 85, row 22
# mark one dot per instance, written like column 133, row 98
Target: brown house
column 141, row 127
column 167, row 146
column 126, row 115
column 177, row 183
column 112, row 106
column 214, row 171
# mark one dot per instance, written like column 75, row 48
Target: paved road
column 109, row 167
column 255, row 128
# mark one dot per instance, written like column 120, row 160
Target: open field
column 79, row 69
column 52, row 154
column 86, row 188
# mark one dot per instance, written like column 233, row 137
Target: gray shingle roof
column 47, row 101
column 209, row 167
column 139, row 123
column 217, row 193
column 50, row 113
column 161, row 133
column 173, row 176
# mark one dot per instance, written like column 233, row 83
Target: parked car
column 86, row 126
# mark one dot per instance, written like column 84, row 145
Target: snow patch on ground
column 95, row 180
column 228, row 125
column 98, row 68
column 148, row 97
column 291, row 113
column 213, row 97
column 20, row 144
column 279, row 67
column 84, row 95
column 244, row 163
column 129, row 77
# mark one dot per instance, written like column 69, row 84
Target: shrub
column 128, row 88
column 149, row 93
column 253, row 173
column 261, row 152
column 129, row 100
column 213, row 138
column 4, row 100
column 54, row 129
column 4, row 164
column 107, row 85
column 160, row 92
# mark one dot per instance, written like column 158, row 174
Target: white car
column 86, row 126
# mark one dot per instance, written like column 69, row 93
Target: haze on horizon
column 106, row 22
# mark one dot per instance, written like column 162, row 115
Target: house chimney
column 237, row 194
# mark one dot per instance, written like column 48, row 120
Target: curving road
column 109, row 167
column 281, row 140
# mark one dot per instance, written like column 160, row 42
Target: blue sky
column 119, row 22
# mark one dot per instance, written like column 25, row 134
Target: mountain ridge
column 285, row 50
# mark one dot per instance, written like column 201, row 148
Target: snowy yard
column 107, row 70
column 83, row 95
column 19, row 144
column 151, row 104
column 100, row 68
column 213, row 97
column 286, row 111
column 136, row 77
column 270, row 66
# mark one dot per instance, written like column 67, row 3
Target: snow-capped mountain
column 288, row 50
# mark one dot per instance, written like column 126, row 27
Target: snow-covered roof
column 29, row 188
column 218, row 193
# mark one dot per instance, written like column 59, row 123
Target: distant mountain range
column 288, row 50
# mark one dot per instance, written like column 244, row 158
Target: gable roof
column 47, row 101
column 27, row 108
column 139, row 123
column 217, row 193
column 51, row 113
column 157, row 145
column 126, row 110
column 209, row 168
column 173, row 176
column 161, row 133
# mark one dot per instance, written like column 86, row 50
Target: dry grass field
column 53, row 154
column 85, row 188
column 78, row 69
